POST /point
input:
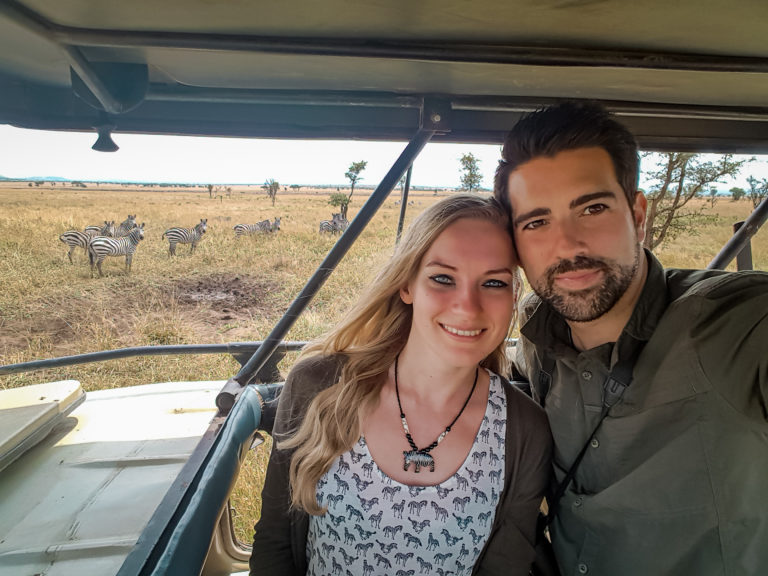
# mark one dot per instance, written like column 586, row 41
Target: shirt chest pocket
column 657, row 459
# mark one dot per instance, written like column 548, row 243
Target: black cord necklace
column 421, row 456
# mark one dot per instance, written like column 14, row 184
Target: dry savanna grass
column 231, row 289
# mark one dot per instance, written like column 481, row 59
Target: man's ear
column 639, row 211
column 405, row 295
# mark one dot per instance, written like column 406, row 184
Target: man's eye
column 442, row 279
column 595, row 209
column 495, row 284
column 533, row 224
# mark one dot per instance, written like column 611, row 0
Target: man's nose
column 570, row 240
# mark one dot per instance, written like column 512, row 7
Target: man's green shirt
column 676, row 480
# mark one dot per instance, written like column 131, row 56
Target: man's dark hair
column 567, row 126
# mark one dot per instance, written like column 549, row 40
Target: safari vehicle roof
column 684, row 75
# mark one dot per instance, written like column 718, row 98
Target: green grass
column 230, row 289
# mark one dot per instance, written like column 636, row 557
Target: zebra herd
column 87, row 238
column 259, row 227
column 191, row 236
column 105, row 240
column 336, row 224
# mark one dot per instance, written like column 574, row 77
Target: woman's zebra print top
column 102, row 246
column 263, row 226
column 191, row 236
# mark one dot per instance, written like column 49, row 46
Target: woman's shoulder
column 520, row 405
column 309, row 376
column 317, row 368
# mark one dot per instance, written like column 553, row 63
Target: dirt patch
column 202, row 309
column 227, row 293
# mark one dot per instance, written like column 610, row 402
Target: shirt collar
column 547, row 328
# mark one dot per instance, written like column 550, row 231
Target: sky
column 185, row 159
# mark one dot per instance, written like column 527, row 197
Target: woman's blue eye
column 442, row 279
column 495, row 284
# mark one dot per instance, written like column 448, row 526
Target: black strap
column 614, row 386
column 545, row 379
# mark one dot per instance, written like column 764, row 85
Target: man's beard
column 591, row 303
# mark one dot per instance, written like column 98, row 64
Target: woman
column 399, row 448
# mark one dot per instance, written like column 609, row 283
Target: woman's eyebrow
column 443, row 265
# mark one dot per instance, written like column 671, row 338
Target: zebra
column 101, row 247
column 263, row 226
column 335, row 224
column 126, row 226
column 73, row 239
column 191, row 236
column 107, row 230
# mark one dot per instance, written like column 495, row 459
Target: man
column 675, row 480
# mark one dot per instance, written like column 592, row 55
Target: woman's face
column 463, row 293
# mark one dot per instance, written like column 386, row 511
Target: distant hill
column 37, row 179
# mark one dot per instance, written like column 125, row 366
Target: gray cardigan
column 280, row 542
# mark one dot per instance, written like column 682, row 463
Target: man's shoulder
column 714, row 284
column 527, row 306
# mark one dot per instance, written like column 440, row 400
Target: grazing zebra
column 102, row 246
column 126, row 226
column 263, row 226
column 185, row 236
column 107, row 230
column 73, row 239
column 335, row 224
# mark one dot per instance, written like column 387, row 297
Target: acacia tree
column 353, row 175
column 758, row 190
column 712, row 196
column 470, row 177
column 272, row 186
column 737, row 193
column 675, row 179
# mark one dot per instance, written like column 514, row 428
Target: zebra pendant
column 419, row 458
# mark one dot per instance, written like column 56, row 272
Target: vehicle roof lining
column 359, row 69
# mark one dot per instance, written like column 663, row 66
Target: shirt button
column 586, row 375
column 577, row 502
column 594, row 443
column 583, row 568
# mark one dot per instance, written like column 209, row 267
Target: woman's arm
column 280, row 538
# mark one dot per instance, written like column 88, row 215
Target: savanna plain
column 229, row 290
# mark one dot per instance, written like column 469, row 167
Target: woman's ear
column 405, row 294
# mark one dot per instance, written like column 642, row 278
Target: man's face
column 577, row 238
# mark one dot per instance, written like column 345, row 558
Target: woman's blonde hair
column 371, row 335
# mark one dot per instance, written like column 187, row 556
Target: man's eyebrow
column 576, row 202
column 583, row 199
column 530, row 214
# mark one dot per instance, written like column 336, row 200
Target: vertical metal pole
column 739, row 239
column 403, row 203
column 744, row 257
column 226, row 398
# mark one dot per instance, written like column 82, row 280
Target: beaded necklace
column 421, row 457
